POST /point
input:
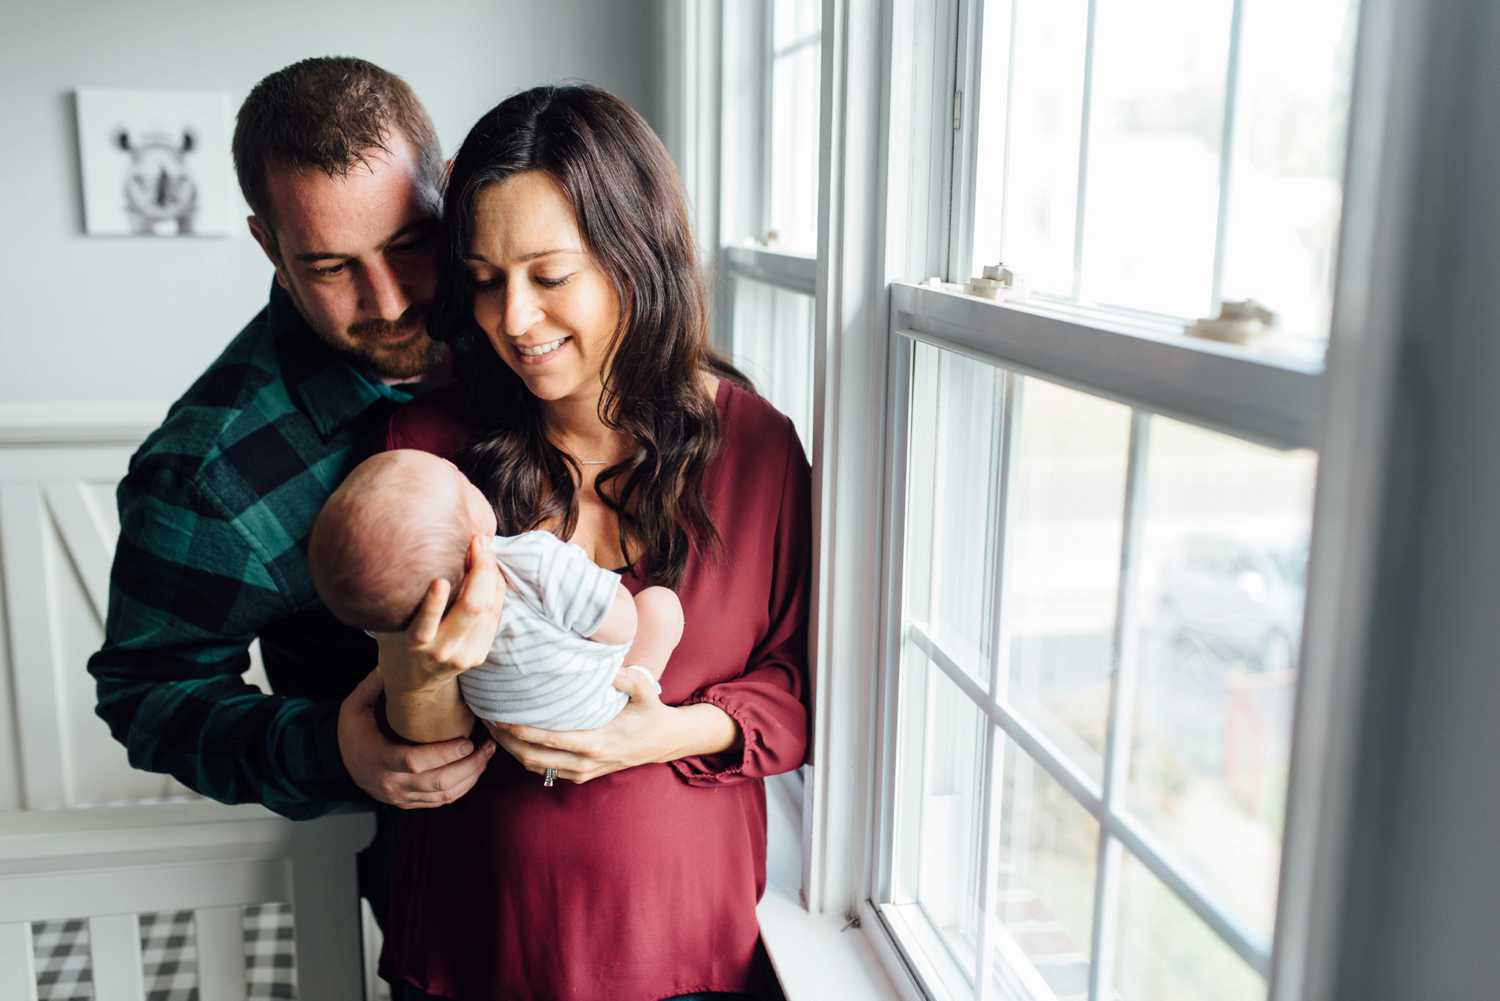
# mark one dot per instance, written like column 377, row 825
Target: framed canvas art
column 154, row 163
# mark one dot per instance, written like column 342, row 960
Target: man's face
column 357, row 255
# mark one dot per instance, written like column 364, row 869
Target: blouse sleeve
column 768, row 701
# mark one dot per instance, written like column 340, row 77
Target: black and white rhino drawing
column 161, row 196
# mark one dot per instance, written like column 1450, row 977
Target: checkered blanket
column 170, row 957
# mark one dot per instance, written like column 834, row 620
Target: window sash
column 771, row 59
column 972, row 15
column 1117, row 831
column 790, row 271
column 1274, row 400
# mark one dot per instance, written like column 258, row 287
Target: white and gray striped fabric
column 542, row 670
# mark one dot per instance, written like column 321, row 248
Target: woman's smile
column 541, row 354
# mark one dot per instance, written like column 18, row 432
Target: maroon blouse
column 643, row 884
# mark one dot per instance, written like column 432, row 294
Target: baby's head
column 398, row 522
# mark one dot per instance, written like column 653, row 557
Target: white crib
column 63, row 859
column 112, row 864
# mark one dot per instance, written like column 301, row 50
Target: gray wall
column 133, row 320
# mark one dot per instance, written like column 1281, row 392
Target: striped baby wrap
column 541, row 671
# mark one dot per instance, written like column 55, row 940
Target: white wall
column 134, row 320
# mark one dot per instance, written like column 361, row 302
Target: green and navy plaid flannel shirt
column 214, row 516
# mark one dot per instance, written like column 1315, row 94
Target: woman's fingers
column 639, row 685
column 475, row 615
column 537, row 758
column 424, row 625
column 584, row 743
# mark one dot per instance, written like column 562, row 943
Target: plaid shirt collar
column 326, row 387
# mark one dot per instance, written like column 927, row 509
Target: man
column 341, row 167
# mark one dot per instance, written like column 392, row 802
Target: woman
column 589, row 403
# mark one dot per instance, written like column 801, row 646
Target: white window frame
column 868, row 310
column 719, row 107
column 971, row 26
column 1262, row 400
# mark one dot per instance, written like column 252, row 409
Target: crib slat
column 115, row 941
column 325, row 914
column 220, row 934
column 17, row 966
column 370, row 941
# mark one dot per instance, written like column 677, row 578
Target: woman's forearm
column 704, row 729
column 425, row 716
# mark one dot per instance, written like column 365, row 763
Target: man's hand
column 406, row 776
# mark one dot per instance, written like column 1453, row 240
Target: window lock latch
column 997, row 282
column 1240, row 321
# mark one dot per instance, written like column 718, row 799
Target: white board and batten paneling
column 59, row 465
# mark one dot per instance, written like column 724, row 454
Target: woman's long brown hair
column 633, row 217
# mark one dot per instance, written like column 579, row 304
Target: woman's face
column 547, row 308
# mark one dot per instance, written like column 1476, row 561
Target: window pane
column 1286, row 184
column 1224, row 557
column 793, row 214
column 773, row 332
column 1066, row 517
column 1027, row 200
column 1153, row 181
column 1166, row 954
column 1043, row 886
column 948, row 870
column 794, row 20
column 1154, row 159
column 953, row 459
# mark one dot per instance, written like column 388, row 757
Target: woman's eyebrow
column 471, row 256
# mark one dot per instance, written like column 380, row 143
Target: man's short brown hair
column 326, row 113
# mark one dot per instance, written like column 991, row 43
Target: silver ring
column 549, row 777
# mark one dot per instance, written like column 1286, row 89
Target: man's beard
column 414, row 353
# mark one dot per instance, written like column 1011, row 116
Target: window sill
column 815, row 956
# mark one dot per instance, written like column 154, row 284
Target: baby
column 405, row 518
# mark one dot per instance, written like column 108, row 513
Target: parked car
column 1238, row 599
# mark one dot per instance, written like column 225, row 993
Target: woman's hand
column 647, row 731
column 420, row 666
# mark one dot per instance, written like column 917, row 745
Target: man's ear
column 267, row 241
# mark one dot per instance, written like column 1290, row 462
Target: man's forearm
column 201, row 731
